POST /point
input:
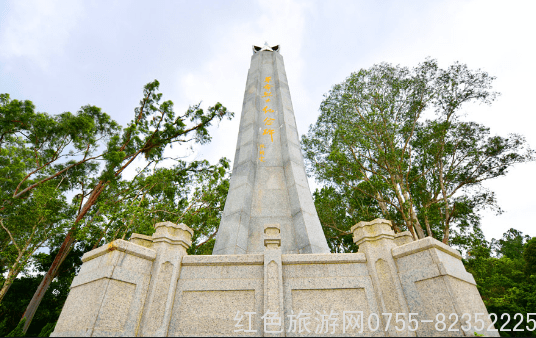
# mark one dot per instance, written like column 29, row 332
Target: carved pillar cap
column 272, row 235
column 177, row 234
column 143, row 240
column 402, row 238
column 372, row 231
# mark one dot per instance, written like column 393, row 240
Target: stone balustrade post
column 170, row 241
column 273, row 280
column 376, row 239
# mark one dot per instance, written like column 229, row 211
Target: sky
column 65, row 54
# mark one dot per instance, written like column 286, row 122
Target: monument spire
column 268, row 183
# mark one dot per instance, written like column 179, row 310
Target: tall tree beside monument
column 392, row 142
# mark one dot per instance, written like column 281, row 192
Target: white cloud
column 38, row 30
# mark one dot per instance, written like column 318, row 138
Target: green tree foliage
column 192, row 193
column 18, row 331
column 22, row 290
column 43, row 157
column 390, row 142
column 505, row 280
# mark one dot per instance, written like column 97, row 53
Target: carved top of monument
column 266, row 47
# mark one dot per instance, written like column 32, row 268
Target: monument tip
column 266, row 47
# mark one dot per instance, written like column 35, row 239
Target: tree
column 189, row 192
column 154, row 127
column 192, row 193
column 505, row 282
column 41, row 156
column 391, row 142
column 29, row 224
column 22, row 290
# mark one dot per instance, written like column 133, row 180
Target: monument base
column 393, row 286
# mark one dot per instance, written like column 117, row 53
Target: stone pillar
column 435, row 282
column 376, row 239
column 170, row 241
column 268, row 183
column 273, row 280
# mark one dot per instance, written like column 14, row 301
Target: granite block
column 417, row 260
column 347, row 270
column 251, row 259
column 288, row 116
column 220, row 284
column 121, row 246
column 424, row 244
column 270, row 203
column 92, row 275
column 212, row 313
column 468, row 300
column 247, row 153
column 309, row 235
column 92, row 264
column 435, row 300
column 305, row 271
column 293, row 153
column 286, row 100
column 114, row 313
column 242, row 174
column 242, row 236
column 337, row 302
column 450, row 265
column 272, row 151
column 242, row 271
column 249, row 115
column 324, row 258
column 295, row 174
column 142, row 240
column 189, row 271
column 270, row 178
column 267, row 69
column 301, row 200
column 247, row 135
column 238, row 199
column 81, row 309
column 289, row 135
column 255, row 61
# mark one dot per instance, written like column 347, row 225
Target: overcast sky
column 65, row 54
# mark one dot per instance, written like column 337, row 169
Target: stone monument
column 271, row 272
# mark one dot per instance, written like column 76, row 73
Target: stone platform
column 151, row 287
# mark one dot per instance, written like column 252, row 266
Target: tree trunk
column 47, row 279
column 383, row 207
column 446, row 235
column 11, row 275
column 413, row 215
column 60, row 257
column 428, row 229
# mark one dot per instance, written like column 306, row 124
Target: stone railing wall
column 151, row 287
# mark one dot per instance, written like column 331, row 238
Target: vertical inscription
column 268, row 120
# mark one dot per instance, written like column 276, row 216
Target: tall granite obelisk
column 268, row 183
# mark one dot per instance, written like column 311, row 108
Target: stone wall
column 150, row 287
